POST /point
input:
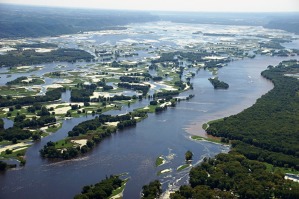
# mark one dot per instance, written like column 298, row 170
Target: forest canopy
column 269, row 130
column 234, row 176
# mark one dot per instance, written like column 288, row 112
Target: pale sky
column 173, row 5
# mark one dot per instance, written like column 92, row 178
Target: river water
column 134, row 150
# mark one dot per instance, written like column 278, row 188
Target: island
column 218, row 84
column 111, row 187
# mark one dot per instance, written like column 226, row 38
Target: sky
column 172, row 5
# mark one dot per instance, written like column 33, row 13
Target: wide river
column 135, row 150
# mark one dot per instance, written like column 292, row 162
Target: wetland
column 142, row 69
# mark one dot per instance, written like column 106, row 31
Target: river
column 134, row 150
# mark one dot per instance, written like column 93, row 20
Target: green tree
column 3, row 166
column 152, row 190
column 188, row 155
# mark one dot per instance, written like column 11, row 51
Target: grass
column 44, row 134
column 205, row 126
column 74, row 113
column 217, row 120
column 119, row 189
column 54, row 128
column 63, row 144
column 14, row 70
column 14, row 113
column 272, row 168
column 14, row 154
column 182, row 167
column 16, row 91
column 5, row 142
column 196, row 137
column 159, row 161
column 108, row 80
column 151, row 109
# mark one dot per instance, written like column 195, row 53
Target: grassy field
column 216, row 140
column 13, row 91
column 182, row 167
column 19, row 155
column 206, row 125
column 272, row 168
column 63, row 144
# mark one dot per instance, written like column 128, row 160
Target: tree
column 84, row 149
column 188, row 155
column 89, row 144
column 36, row 137
column 3, row 166
column 152, row 190
column 14, row 140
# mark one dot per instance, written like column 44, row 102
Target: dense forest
column 287, row 23
column 269, row 130
column 81, row 95
column 100, row 190
column 29, row 57
column 26, row 21
column 234, row 176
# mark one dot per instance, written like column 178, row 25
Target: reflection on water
column 7, row 123
column 66, row 96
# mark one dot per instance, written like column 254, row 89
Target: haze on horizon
column 171, row 5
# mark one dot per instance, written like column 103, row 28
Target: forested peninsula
column 263, row 137
column 269, row 130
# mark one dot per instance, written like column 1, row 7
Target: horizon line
column 144, row 10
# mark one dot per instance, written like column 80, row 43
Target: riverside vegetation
column 265, row 132
column 268, row 130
